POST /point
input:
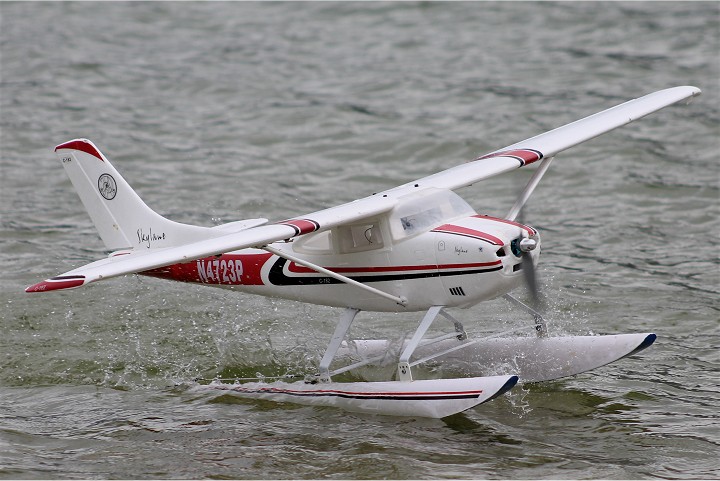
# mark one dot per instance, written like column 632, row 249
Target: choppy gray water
column 222, row 111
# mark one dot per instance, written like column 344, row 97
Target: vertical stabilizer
column 122, row 219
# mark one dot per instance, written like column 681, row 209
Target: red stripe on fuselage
column 528, row 229
column 464, row 231
column 298, row 269
column 227, row 269
column 246, row 269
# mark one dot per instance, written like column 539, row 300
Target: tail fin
column 123, row 220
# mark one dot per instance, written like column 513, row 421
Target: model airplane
column 416, row 247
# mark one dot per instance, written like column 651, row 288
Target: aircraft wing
column 139, row 261
column 555, row 141
column 497, row 162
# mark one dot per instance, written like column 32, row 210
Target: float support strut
column 540, row 323
column 404, row 373
column 338, row 336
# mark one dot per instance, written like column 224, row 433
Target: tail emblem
column 107, row 186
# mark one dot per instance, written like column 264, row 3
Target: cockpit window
column 424, row 210
column 421, row 220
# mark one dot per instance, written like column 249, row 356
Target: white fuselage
column 457, row 263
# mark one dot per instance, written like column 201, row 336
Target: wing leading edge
column 500, row 161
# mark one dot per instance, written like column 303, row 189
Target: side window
column 319, row 243
column 360, row 237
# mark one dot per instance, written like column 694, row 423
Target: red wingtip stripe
column 302, row 226
column 81, row 145
column 524, row 156
column 57, row 283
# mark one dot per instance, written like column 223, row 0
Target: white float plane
column 416, row 247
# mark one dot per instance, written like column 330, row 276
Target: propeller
column 530, row 277
column 526, row 245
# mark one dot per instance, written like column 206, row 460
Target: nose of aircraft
column 498, row 239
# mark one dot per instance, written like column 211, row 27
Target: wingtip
column 57, row 283
column 695, row 92
column 689, row 92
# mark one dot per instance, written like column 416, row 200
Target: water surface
column 222, row 111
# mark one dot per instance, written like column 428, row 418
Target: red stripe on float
column 371, row 393
column 334, row 392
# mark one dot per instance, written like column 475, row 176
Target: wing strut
column 529, row 188
column 400, row 300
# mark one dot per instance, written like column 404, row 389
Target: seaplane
column 418, row 247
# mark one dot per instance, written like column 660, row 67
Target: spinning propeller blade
column 528, row 267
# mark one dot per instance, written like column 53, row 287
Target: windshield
column 424, row 210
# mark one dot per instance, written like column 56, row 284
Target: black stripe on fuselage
column 277, row 276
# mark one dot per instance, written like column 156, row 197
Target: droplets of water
column 517, row 398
